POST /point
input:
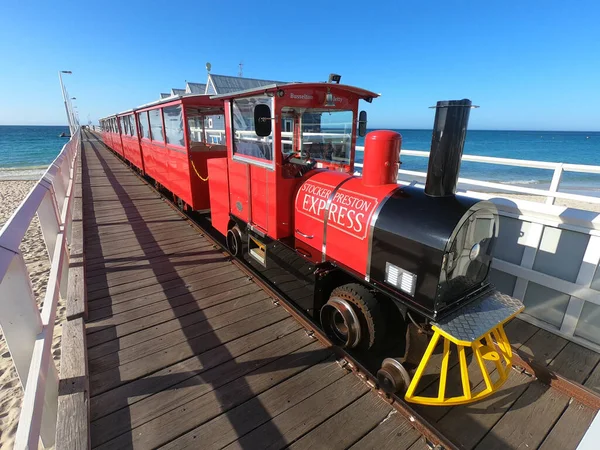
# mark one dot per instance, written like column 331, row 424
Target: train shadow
column 127, row 374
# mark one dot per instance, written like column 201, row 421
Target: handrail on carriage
column 28, row 332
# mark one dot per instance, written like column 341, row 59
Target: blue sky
column 528, row 64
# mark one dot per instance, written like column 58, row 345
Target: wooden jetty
column 169, row 343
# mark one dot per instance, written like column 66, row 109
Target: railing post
column 64, row 276
column 531, row 247
column 555, row 183
column 49, row 219
column 20, row 319
column 60, row 189
column 591, row 258
column 48, row 425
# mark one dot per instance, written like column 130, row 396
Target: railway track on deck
column 523, row 363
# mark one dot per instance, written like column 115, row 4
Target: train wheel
column 352, row 318
column 234, row 241
column 393, row 377
column 180, row 203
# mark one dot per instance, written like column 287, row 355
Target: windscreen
column 325, row 135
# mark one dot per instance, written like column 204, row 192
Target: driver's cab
column 276, row 135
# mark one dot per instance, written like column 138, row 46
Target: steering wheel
column 293, row 169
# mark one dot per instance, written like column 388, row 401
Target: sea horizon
column 380, row 128
column 27, row 150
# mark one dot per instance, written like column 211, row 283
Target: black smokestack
column 447, row 144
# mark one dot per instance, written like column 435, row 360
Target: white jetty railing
column 547, row 255
column 28, row 332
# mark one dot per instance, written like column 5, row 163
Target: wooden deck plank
column 293, row 423
column 348, row 426
column 390, row 434
column 169, row 426
column 227, row 428
column 177, row 244
column 208, row 296
column 249, row 304
column 143, row 275
column 220, row 280
column 179, row 383
column 195, row 279
column 101, row 382
column 210, row 378
column 110, row 332
column 113, row 265
column 567, row 433
column 157, row 274
column 528, row 421
column 146, row 343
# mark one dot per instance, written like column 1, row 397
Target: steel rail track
column 434, row 437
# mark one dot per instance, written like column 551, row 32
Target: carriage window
column 156, row 126
column 124, row 125
column 327, row 135
column 132, row 128
column 214, row 129
column 174, row 125
column 245, row 140
column 144, row 127
column 194, row 127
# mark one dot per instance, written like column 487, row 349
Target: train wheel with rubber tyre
column 234, row 241
column 352, row 318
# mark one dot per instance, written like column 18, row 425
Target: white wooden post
column 37, row 395
column 531, row 247
column 555, row 183
column 60, row 189
column 19, row 318
column 49, row 219
column 591, row 258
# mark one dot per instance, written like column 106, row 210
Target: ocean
column 26, row 151
column 572, row 147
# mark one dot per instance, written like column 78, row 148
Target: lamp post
column 74, row 113
column 62, row 87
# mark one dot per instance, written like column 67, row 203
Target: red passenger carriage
column 178, row 136
column 129, row 139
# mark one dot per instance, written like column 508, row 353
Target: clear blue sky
column 528, row 64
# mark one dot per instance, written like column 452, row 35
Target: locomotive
column 369, row 260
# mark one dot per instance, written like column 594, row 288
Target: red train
column 374, row 263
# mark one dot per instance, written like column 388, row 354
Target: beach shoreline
column 36, row 258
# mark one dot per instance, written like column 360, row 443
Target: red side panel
column 259, row 190
column 311, row 202
column 341, row 229
column 131, row 151
column 149, row 156
column 200, row 155
column 218, row 181
column 177, row 173
column 349, row 219
column 117, row 145
column 239, row 190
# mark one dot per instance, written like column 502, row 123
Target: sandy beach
column 36, row 257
